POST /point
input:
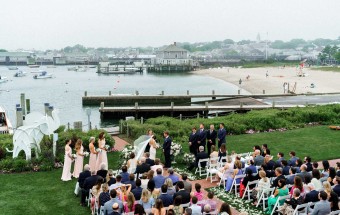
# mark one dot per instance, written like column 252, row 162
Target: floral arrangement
column 175, row 149
column 74, row 156
column 189, row 158
column 127, row 151
column 107, row 147
column 98, row 150
column 86, row 154
column 190, row 175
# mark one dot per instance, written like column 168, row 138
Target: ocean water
column 64, row 92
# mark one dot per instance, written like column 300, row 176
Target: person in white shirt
column 196, row 209
column 156, row 166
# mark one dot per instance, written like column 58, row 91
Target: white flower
column 74, row 156
column 86, row 154
column 107, row 147
column 98, row 150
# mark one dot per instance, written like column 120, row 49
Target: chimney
column 174, row 43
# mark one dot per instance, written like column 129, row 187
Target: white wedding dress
column 152, row 153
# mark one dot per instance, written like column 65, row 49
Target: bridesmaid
column 93, row 155
column 102, row 157
column 78, row 164
column 66, row 176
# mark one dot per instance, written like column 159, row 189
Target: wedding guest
column 293, row 158
column 227, row 170
column 139, row 210
column 159, row 178
column 336, row 182
column 303, row 173
column 265, row 150
column 110, row 179
column 268, row 160
column 248, row 178
column 142, row 168
column 132, row 162
column 221, row 135
column 137, row 191
column 324, row 172
column 96, row 190
column 154, row 192
column 174, row 178
column 331, row 175
column 258, row 158
column 146, row 200
column 209, row 201
column 290, row 178
column 93, row 154
column 124, row 190
column 312, row 196
column 181, row 192
column 83, row 175
column 125, row 175
column 148, row 160
column 285, row 167
column 159, row 208
column 102, row 156
column 88, row 184
column 193, row 138
column 281, row 190
column 171, row 189
column 107, row 208
column 129, row 205
column 165, row 197
column 316, row 179
column 207, row 209
column 237, row 171
column 294, row 201
column 278, row 174
column 252, row 167
column 264, row 183
column 322, row 207
column 222, row 152
column 297, row 184
column 117, row 184
column 103, row 171
column 187, row 184
column 225, row 208
column 176, row 207
column 280, row 158
column 197, row 193
column 315, row 165
column 115, row 209
column 214, row 153
column 200, row 155
column 211, row 137
column 187, row 211
column 66, row 176
column 157, row 166
column 331, row 196
column 104, row 196
column 131, row 181
column 308, row 163
column 196, row 209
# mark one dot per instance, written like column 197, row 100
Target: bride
column 146, row 143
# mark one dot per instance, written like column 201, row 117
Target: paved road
column 302, row 100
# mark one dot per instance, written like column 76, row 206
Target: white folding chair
column 212, row 168
column 249, row 190
column 95, row 209
column 222, row 161
column 235, row 183
column 264, row 196
column 223, row 179
column 89, row 198
column 301, row 209
column 335, row 212
column 310, row 207
column 202, row 170
column 277, row 203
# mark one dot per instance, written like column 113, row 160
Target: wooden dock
column 175, row 111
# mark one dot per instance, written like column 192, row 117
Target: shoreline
column 257, row 82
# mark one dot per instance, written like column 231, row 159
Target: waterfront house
column 173, row 55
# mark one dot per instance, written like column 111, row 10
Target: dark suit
column 309, row 167
column 137, row 192
column 132, row 182
column 202, row 137
column 150, row 161
column 185, row 196
column 303, row 175
column 336, row 189
column 201, row 155
column 221, row 134
column 285, row 170
column 312, row 196
column 140, row 169
column 194, row 146
column 125, row 176
column 111, row 181
column 275, row 182
column 211, row 136
column 82, row 177
column 166, row 149
column 166, row 199
column 88, row 184
column 102, row 173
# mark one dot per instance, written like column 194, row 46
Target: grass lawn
column 327, row 68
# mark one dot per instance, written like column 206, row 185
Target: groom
column 166, row 149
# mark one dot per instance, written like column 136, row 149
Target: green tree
column 337, row 56
column 3, row 50
column 228, row 41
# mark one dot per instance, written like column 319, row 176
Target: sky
column 44, row 24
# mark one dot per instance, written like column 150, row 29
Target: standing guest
column 132, row 163
column 125, row 175
column 259, row 159
column 211, row 137
column 222, row 152
column 312, row 196
column 93, row 154
column 131, row 181
column 265, row 150
column 165, row 197
column 115, row 209
column 107, row 208
column 159, row 208
column 146, row 200
column 174, row 178
column 221, row 135
column 157, row 165
column 202, row 136
column 139, row 210
column 83, row 175
column 336, row 182
column 210, row 201
column 159, row 179
column 129, row 205
column 143, row 167
column 181, row 192
column 166, row 149
column 137, row 191
column 148, row 160
column 102, row 156
column 322, row 207
column 308, row 163
column 225, row 208
column 293, row 159
column 102, row 172
column 171, row 189
column 176, row 207
column 197, row 193
column 316, row 179
column 104, row 196
column 187, row 184
column 88, row 184
column 280, row 158
column 285, row 167
column 196, row 209
column 193, row 146
column 66, row 176
column 110, row 179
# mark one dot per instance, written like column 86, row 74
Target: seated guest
column 125, row 174
column 115, row 209
column 290, row 178
column 303, row 173
column 181, row 192
column 176, row 207
column 322, row 207
column 308, row 163
column 278, row 174
column 137, row 191
column 258, row 159
column 196, row 209
column 159, row 179
column 110, row 177
column 285, row 167
column 152, row 188
column 146, row 200
column 313, row 195
column 237, row 171
column 83, row 175
column 292, row 203
column 129, row 205
column 297, row 184
column 187, row 184
column 331, row 175
column 207, row 209
column 143, row 167
column 88, row 184
column 144, row 180
column 117, row 184
column 148, row 160
column 159, row 208
column 264, row 183
column 293, row 159
column 156, row 166
column 331, row 196
column 316, row 179
column 131, row 181
column 96, row 190
column 238, row 158
column 298, row 164
column 280, row 158
column 269, row 161
column 338, row 169
column 209, row 201
column 252, row 167
column 324, row 172
column 187, row 211
column 197, row 193
column 225, row 208
column 139, row 210
column 281, row 190
column 174, row 178
column 200, row 155
column 222, row 152
column 315, row 165
column 336, row 182
column 248, row 178
column 102, row 172
column 104, row 196
column 171, row 189
column 107, row 209
column 214, row 153
column 165, row 197
column 265, row 150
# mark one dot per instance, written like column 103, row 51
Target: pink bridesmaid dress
column 66, row 176
column 102, row 156
column 78, row 164
column 93, row 159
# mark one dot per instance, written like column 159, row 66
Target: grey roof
column 15, row 54
column 173, row 48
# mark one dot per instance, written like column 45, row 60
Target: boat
column 3, row 79
column 73, row 68
column 20, row 74
column 51, row 66
column 92, row 66
column 12, row 67
column 33, row 66
column 5, row 124
column 42, row 75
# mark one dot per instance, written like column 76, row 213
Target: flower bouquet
column 74, row 156
column 86, row 154
column 98, row 150
column 189, row 158
column 107, row 147
column 175, row 149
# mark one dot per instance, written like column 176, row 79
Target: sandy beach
column 324, row 82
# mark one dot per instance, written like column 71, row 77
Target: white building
column 172, row 55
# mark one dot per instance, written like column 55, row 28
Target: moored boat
column 43, row 75
column 5, row 124
column 20, row 74
column 33, row 66
column 3, row 79
column 12, row 67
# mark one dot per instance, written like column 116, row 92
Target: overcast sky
column 44, row 24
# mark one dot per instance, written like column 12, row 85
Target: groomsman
column 202, row 136
column 166, row 149
column 193, row 146
column 221, row 135
column 211, row 136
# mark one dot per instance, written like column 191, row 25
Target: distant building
column 172, row 55
column 7, row 58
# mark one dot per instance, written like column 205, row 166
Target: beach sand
column 325, row 82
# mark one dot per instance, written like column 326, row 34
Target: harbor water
column 65, row 90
